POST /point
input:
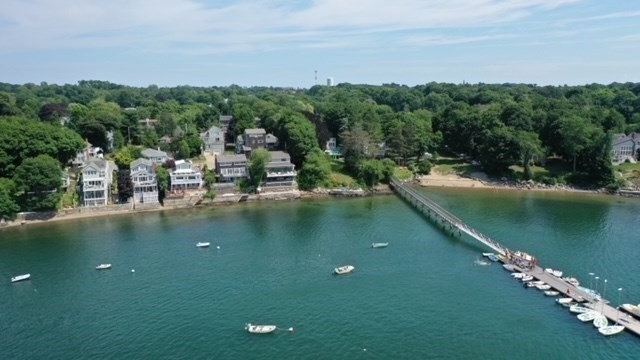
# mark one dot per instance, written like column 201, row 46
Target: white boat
column 551, row 293
column 343, row 269
column 203, row 244
column 553, row 272
column 21, row 277
column 260, row 329
column 518, row 275
column 527, row 278
column 600, row 321
column 509, row 267
column 631, row 309
column 564, row 300
column 379, row 245
column 543, row 287
column 571, row 280
column 611, row 330
column 578, row 309
column 587, row 316
column 103, row 267
column 494, row 257
column 488, row 254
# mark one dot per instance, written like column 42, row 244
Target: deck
column 442, row 217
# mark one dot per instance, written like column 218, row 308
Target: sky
column 284, row 43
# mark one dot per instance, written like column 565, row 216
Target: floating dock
column 451, row 223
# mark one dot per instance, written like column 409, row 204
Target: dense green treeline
column 495, row 125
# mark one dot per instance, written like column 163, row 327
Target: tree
column 209, row 182
column 164, row 181
column 37, row 182
column 126, row 155
column 257, row 166
column 52, row 112
column 299, row 137
column 575, row 133
column 357, row 146
column 371, row 172
column 8, row 205
column 315, row 172
column 125, row 185
column 530, row 147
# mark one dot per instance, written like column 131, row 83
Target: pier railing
column 423, row 202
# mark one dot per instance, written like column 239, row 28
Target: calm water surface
column 423, row 297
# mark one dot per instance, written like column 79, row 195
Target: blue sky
column 282, row 43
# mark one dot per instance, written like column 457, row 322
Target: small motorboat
column 493, row 257
column 631, row 309
column 21, row 278
column 579, row 309
column 203, row 244
column 509, row 267
column 556, row 273
column 611, row 330
column 103, row 267
column 379, row 245
column 487, row 254
column 551, row 293
column 518, row 275
column 571, row 280
column 342, row 270
column 543, row 287
column 564, row 300
column 527, row 278
column 260, row 329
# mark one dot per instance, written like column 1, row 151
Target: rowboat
column 611, row 330
column 103, row 267
column 260, row 329
column 551, row 293
column 564, row 300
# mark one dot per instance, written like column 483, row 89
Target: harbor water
column 425, row 296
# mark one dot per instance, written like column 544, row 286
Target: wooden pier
column 449, row 222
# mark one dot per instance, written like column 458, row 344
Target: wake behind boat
column 203, row 244
column 20, row 278
column 342, row 270
column 379, row 245
column 103, row 267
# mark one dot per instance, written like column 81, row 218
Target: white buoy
column 218, row 247
column 133, row 270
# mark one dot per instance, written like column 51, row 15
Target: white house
column 213, row 140
column 97, row 177
column 145, row 186
column 157, row 156
column 184, row 176
column 625, row 148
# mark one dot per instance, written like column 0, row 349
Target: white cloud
column 190, row 26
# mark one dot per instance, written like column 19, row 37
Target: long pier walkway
column 440, row 215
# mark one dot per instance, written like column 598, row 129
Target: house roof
column 255, row 131
column 140, row 161
column 271, row 139
column 153, row 153
column 213, row 129
column 231, row 158
column 279, row 156
column 96, row 164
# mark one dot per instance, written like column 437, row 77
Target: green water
column 423, row 297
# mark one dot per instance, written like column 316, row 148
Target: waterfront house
column 185, row 176
column 97, row 177
column 213, row 140
column 157, row 156
column 86, row 154
column 625, row 148
column 331, row 148
column 143, row 178
column 280, row 171
column 231, row 168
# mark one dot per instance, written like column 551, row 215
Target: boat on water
column 379, row 245
column 611, row 330
column 631, row 309
column 556, row 273
column 600, row 321
column 543, row 287
column 518, row 275
column 21, row 278
column 344, row 269
column 203, row 244
column 260, row 329
column 551, row 293
column 487, row 254
column 527, row 278
column 587, row 316
column 103, row 267
column 509, row 267
column 579, row 309
column 564, row 300
column 482, row 262
column 571, row 280
column 493, row 257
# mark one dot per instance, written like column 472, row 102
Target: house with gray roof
column 253, row 139
column 185, row 176
column 97, row 177
column 280, row 171
column 143, row 178
column 625, row 148
column 231, row 168
column 157, row 156
column 213, row 140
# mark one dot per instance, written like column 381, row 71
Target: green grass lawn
column 450, row 166
column 339, row 177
